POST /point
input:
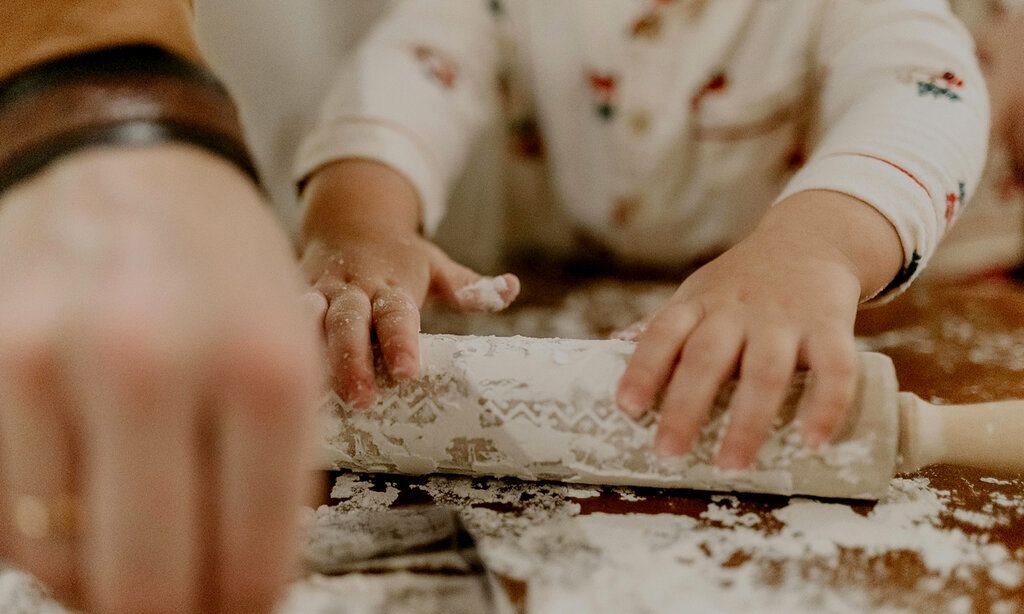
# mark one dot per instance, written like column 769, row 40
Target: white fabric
column 277, row 59
column 859, row 82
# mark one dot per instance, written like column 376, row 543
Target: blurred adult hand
column 1002, row 58
column 159, row 375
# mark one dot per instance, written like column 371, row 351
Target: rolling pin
column 544, row 409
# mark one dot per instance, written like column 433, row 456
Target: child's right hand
column 363, row 252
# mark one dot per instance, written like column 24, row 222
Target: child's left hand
column 786, row 296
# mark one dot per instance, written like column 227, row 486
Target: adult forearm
column 74, row 75
column 36, row 31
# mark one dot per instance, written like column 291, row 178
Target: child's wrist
column 359, row 198
column 840, row 228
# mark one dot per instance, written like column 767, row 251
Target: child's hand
column 376, row 272
column 785, row 296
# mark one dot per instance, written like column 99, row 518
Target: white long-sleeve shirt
column 668, row 127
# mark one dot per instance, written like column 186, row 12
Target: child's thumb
column 467, row 290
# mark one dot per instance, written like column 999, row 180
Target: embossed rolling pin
column 545, row 409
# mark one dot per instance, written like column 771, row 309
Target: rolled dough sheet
column 543, row 409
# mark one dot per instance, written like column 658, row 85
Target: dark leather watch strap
column 127, row 95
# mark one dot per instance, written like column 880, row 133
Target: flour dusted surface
column 735, row 555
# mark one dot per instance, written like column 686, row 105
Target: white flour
column 485, row 293
column 958, row 337
column 591, row 312
column 634, row 563
column 21, row 594
column 727, row 559
column 393, row 593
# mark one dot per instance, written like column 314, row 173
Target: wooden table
column 962, row 343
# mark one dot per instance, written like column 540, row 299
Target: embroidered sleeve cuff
column 893, row 191
column 380, row 141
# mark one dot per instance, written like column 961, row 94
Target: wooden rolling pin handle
column 987, row 436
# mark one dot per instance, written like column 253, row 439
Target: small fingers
column 397, row 322
column 765, row 374
column 708, row 359
column 832, row 359
column 348, row 346
column 655, row 356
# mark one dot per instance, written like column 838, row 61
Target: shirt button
column 640, row 121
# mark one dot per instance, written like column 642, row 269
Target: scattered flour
column 1005, row 606
column 609, row 563
column 726, row 516
column 1011, row 504
column 727, row 559
column 590, row 312
column 1009, row 574
column 583, row 493
column 978, row 519
column 914, row 338
column 957, row 335
column 393, row 593
column 352, row 489
column 627, row 494
column 998, row 481
column 22, row 594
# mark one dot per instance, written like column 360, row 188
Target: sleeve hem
column 891, row 190
column 369, row 139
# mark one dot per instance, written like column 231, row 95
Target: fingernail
column 404, row 366
column 732, row 459
column 357, row 394
column 666, row 444
column 814, row 439
column 629, row 402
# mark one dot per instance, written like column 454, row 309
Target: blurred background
column 299, row 46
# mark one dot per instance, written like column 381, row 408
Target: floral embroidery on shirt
column 939, row 85
column 955, row 201
column 716, row 83
column 438, row 66
column 647, row 25
column 603, row 86
column 496, row 7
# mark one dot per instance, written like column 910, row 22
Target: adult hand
column 1002, row 57
column 159, row 375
